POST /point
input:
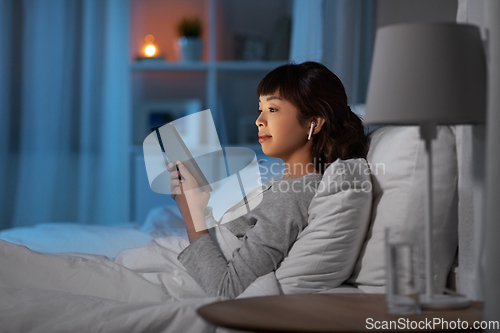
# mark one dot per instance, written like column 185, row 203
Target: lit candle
column 150, row 50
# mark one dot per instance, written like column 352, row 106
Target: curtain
column 484, row 245
column 471, row 167
column 64, row 119
column 340, row 34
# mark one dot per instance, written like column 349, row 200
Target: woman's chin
column 269, row 152
column 265, row 151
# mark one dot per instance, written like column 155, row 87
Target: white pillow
column 326, row 250
column 396, row 157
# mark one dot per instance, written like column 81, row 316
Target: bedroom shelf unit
column 219, row 82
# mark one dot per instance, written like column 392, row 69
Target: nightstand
column 330, row 313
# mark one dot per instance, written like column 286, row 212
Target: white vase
column 190, row 48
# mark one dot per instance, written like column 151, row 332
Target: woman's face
column 280, row 133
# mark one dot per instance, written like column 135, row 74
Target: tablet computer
column 175, row 149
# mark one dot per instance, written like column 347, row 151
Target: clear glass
column 401, row 273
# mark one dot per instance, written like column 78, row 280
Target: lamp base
column 443, row 302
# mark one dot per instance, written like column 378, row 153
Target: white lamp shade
column 427, row 73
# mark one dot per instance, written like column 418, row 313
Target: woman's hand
column 186, row 192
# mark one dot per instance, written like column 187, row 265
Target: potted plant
column 190, row 43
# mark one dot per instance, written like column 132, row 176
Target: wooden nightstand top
column 322, row 313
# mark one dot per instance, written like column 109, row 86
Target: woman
column 305, row 121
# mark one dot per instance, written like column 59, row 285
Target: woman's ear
column 318, row 123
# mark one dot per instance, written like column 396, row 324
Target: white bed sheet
column 143, row 289
column 30, row 310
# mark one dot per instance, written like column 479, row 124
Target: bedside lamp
column 428, row 74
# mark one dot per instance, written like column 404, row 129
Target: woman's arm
column 273, row 226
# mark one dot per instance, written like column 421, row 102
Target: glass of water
column 401, row 272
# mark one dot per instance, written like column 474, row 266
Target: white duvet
column 143, row 289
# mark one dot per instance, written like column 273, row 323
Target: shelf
column 159, row 65
column 249, row 65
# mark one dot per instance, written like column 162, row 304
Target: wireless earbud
column 311, row 130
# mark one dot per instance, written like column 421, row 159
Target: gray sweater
column 268, row 231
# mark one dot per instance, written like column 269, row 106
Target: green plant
column 189, row 27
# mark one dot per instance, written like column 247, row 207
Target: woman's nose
column 260, row 120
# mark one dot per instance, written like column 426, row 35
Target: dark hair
column 316, row 91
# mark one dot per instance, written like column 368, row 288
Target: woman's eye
column 270, row 110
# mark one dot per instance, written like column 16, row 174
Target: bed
column 67, row 277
